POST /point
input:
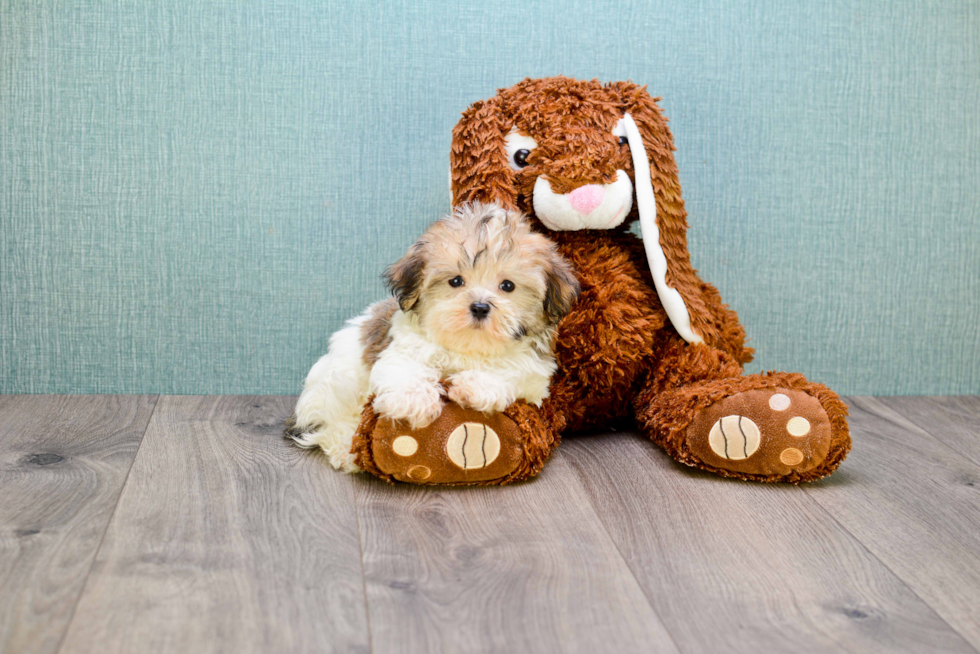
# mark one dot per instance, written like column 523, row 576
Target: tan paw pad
column 473, row 445
column 791, row 456
column 798, row 426
column 419, row 473
column 779, row 402
column 404, row 446
column 734, row 437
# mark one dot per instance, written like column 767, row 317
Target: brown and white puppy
column 477, row 299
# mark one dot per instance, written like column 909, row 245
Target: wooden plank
column 954, row 420
column 63, row 462
column 226, row 538
column 521, row 568
column 913, row 502
column 740, row 567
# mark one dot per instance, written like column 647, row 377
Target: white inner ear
column 646, row 203
column 515, row 141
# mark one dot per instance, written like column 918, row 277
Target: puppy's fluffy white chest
column 529, row 355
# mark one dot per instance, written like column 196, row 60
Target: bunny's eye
column 518, row 147
column 619, row 131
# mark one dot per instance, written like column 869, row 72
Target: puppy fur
column 432, row 341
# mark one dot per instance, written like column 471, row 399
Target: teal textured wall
column 193, row 195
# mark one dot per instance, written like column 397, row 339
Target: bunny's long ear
column 478, row 160
column 663, row 219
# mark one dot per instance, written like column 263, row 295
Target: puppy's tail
column 295, row 433
column 334, row 442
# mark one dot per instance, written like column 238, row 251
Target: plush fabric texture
column 619, row 359
column 195, row 195
column 534, row 439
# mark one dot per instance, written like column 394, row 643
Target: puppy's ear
column 404, row 277
column 478, row 165
column 561, row 288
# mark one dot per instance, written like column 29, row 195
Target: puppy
column 477, row 299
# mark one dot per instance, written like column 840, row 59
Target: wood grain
column 738, row 567
column 954, row 420
column 913, row 501
column 226, row 538
column 519, row 568
column 63, row 462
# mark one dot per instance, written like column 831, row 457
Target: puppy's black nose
column 480, row 310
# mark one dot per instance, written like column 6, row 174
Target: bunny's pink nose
column 586, row 198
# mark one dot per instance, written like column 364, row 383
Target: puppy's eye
column 456, row 281
column 623, row 140
column 520, row 158
column 507, row 286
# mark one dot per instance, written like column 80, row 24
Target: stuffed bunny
column 648, row 343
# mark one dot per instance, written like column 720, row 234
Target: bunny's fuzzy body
column 563, row 152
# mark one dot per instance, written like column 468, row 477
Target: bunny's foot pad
column 462, row 447
column 772, row 432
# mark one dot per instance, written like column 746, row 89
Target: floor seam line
column 615, row 545
column 915, row 425
column 360, row 549
column 942, row 440
column 112, row 515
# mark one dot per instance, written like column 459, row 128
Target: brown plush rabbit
column 647, row 343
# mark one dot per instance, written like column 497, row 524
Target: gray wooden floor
column 186, row 524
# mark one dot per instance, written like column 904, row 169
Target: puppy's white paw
column 483, row 391
column 420, row 405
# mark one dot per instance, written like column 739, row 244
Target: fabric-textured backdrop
column 194, row 195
